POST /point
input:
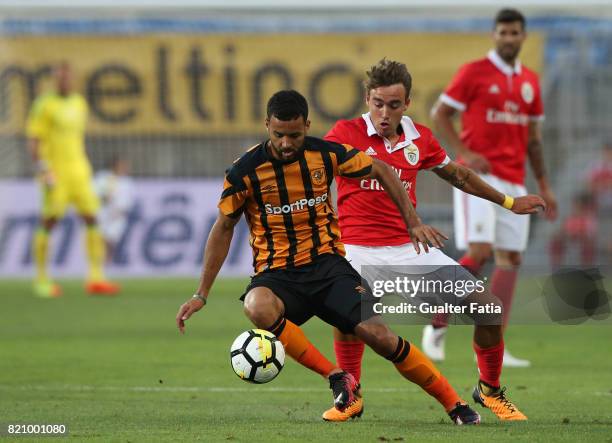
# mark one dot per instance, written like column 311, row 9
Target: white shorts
column 402, row 255
column 479, row 221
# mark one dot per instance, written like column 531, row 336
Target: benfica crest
column 527, row 92
column 412, row 154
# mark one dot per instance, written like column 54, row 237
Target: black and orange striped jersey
column 287, row 205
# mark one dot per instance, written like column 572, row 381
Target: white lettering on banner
column 296, row 206
column 165, row 233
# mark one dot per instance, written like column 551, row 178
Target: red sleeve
column 337, row 133
column 436, row 155
column 458, row 93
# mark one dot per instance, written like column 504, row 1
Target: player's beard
column 509, row 53
column 286, row 154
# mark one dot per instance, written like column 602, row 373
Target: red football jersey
column 497, row 102
column 366, row 214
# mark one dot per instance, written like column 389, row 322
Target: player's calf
column 410, row 362
column 377, row 335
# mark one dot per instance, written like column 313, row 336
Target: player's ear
column 267, row 123
column 307, row 125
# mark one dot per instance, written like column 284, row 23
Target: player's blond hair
column 387, row 73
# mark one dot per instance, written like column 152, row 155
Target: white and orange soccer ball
column 257, row 356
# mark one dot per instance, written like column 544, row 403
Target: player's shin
column 300, row 348
column 349, row 353
column 416, row 367
column 503, row 282
column 40, row 252
column 95, row 253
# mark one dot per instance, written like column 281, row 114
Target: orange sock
column 299, row 347
column 416, row 367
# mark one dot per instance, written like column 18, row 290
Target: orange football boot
column 498, row 404
column 47, row 289
column 352, row 411
column 347, row 398
column 102, row 287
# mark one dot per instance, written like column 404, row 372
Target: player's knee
column 485, row 308
column 516, row 258
column 89, row 220
column 480, row 252
column 508, row 258
column 262, row 307
column 49, row 223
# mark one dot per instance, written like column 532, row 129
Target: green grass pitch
column 116, row 369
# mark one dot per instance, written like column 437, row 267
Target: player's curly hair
column 287, row 105
column 387, row 73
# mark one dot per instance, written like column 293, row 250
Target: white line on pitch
column 85, row 388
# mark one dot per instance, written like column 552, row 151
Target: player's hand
column 47, row 178
column 186, row 310
column 528, row 204
column 551, row 204
column 476, row 162
column 426, row 235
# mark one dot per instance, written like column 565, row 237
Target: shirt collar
column 504, row 67
column 410, row 132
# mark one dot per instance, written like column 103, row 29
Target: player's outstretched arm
column 217, row 247
column 468, row 181
column 419, row 233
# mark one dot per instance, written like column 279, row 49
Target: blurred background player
column 115, row 189
column 599, row 186
column 501, row 118
column 577, row 229
column 55, row 131
column 373, row 231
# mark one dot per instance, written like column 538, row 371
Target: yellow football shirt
column 58, row 123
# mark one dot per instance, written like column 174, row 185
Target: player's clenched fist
column 528, row 204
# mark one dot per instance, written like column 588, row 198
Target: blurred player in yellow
column 55, row 131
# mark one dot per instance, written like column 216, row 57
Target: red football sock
column 440, row 320
column 349, row 355
column 490, row 363
column 503, row 282
column 470, row 264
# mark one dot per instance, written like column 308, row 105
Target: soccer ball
column 257, row 356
